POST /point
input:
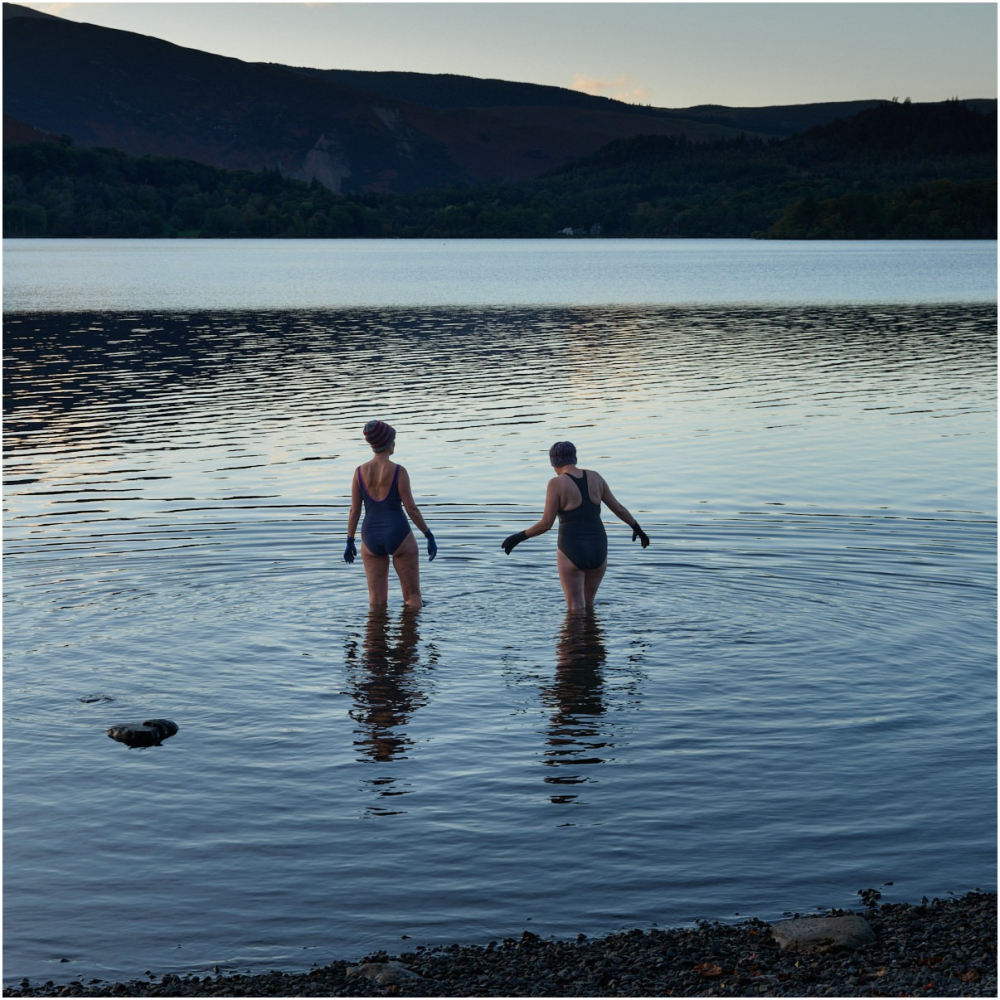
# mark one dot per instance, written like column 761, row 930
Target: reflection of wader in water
column 582, row 538
column 385, row 526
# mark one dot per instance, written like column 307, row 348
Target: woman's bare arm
column 616, row 508
column 355, row 515
column 409, row 505
column 622, row 512
column 550, row 512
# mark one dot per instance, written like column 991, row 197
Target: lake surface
column 788, row 697
column 53, row 275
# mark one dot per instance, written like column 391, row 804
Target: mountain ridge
column 896, row 171
column 447, row 91
column 143, row 95
column 146, row 96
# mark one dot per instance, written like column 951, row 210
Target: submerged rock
column 150, row 733
column 823, row 933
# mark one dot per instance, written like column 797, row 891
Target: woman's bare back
column 378, row 478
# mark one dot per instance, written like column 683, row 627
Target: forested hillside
column 148, row 97
column 892, row 171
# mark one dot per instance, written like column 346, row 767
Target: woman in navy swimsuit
column 384, row 489
column 575, row 497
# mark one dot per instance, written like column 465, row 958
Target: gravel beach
column 941, row 947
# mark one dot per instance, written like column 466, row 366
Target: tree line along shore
column 896, row 171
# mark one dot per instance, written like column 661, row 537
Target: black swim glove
column 637, row 532
column 511, row 540
column 351, row 552
column 432, row 548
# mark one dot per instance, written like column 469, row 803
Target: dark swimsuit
column 582, row 538
column 385, row 526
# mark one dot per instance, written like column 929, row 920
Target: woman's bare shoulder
column 597, row 484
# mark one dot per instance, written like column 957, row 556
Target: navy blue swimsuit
column 582, row 538
column 385, row 526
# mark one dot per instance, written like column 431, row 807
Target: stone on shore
column 383, row 973
column 823, row 934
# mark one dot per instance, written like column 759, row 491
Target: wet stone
column 383, row 973
column 150, row 733
column 823, row 934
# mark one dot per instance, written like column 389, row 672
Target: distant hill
column 787, row 120
column 353, row 132
column 949, row 129
column 892, row 171
column 145, row 96
column 447, row 92
column 113, row 133
column 15, row 131
column 11, row 10
column 142, row 95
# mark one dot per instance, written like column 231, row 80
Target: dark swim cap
column 562, row 453
column 379, row 434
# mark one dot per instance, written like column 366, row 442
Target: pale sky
column 670, row 55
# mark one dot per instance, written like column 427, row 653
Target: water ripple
column 791, row 687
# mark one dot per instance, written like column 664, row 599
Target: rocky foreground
column 932, row 949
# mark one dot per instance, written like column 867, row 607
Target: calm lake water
column 788, row 697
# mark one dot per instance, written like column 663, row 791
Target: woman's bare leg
column 406, row 560
column 572, row 580
column 592, row 580
column 579, row 586
column 377, row 572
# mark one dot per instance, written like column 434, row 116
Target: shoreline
column 939, row 947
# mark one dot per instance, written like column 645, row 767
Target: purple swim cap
column 379, row 435
column 562, row 453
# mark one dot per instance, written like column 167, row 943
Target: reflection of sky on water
column 120, row 275
column 222, row 407
column 817, row 486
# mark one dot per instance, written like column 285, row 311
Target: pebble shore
column 936, row 948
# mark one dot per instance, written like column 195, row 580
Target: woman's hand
column 511, row 541
column 351, row 551
column 637, row 532
column 432, row 549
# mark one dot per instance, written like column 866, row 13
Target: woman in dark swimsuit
column 384, row 489
column 575, row 497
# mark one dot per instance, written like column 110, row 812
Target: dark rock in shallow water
column 150, row 733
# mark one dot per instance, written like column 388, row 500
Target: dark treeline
column 52, row 189
column 894, row 171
